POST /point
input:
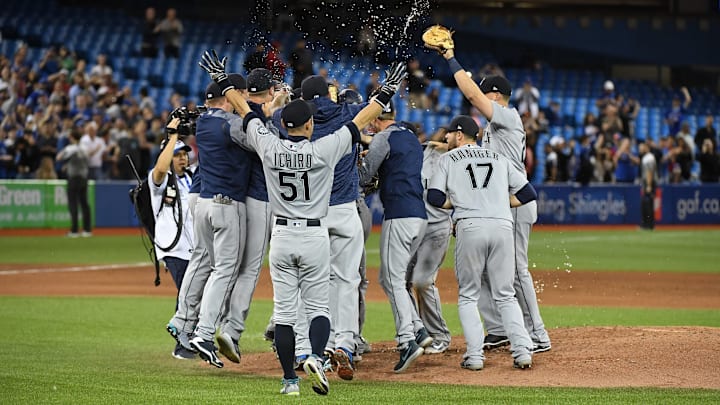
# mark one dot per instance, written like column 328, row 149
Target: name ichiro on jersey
column 469, row 153
column 295, row 161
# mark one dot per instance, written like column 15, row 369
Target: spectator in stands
column 274, row 62
column 682, row 158
column 416, row 83
column 527, row 98
column 146, row 102
column 170, row 29
column 102, row 68
column 94, row 147
column 148, row 47
column 27, row 156
column 610, row 123
column 608, row 97
column 629, row 110
column 490, row 69
column 603, row 158
column 131, row 145
column 558, row 161
column 46, row 169
column 531, row 143
column 584, row 174
column 554, row 115
column 676, row 115
column 709, row 162
column 76, row 166
column 590, row 125
column 301, row 61
column 50, row 63
column 706, row 132
column 255, row 60
column 625, row 163
column 687, row 137
column 82, row 110
column 67, row 59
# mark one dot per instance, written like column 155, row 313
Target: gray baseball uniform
column 477, row 180
column 426, row 262
column 505, row 134
column 396, row 156
column 299, row 177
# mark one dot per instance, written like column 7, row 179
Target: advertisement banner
column 588, row 205
column 37, row 203
column 690, row 204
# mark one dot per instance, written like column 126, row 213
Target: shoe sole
column 209, row 357
column 540, row 349
column 425, row 342
column 411, row 360
column 319, row 381
column 523, row 365
column 226, row 348
column 181, row 357
column 175, row 335
column 495, row 345
column 472, row 367
column 344, row 368
column 434, row 351
column 291, row 394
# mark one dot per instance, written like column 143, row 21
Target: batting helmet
column 349, row 96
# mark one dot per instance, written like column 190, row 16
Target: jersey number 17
column 488, row 172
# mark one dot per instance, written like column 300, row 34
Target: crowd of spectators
column 43, row 102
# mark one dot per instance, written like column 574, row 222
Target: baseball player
column 426, row 262
column 219, row 219
column 396, row 156
column 260, row 89
column 475, row 181
column 169, row 191
column 345, row 228
column 299, row 175
column 505, row 135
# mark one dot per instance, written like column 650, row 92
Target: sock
column 285, row 344
column 319, row 334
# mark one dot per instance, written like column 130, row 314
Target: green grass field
column 115, row 350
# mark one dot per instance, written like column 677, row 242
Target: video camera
column 187, row 119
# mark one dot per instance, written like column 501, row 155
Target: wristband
column 383, row 98
column 454, row 65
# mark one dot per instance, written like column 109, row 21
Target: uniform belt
column 308, row 222
column 220, row 199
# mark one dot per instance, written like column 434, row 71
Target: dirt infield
column 682, row 357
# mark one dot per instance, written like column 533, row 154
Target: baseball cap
column 179, row 145
column 237, row 81
column 463, row 123
column 297, row 113
column 495, row 83
column 314, row 87
column 608, row 85
column 259, row 80
column 213, row 91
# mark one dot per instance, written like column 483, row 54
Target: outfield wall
column 43, row 204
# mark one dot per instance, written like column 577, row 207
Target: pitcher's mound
column 680, row 357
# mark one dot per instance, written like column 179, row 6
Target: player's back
column 479, row 181
column 505, row 134
column 299, row 176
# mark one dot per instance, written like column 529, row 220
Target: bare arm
column 471, row 90
column 686, row 94
column 514, row 202
column 165, row 158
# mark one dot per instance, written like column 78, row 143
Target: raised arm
column 469, row 88
column 215, row 67
column 165, row 158
column 394, row 78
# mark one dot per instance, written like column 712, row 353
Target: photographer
column 169, row 188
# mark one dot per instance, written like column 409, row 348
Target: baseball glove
column 372, row 186
column 438, row 38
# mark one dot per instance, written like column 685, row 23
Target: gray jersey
column 477, row 181
column 299, row 175
column 431, row 159
column 505, row 134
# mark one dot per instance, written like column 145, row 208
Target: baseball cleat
column 437, row 347
column 291, row 386
column 343, row 359
column 207, row 351
column 228, row 347
column 180, row 337
column 408, row 355
column 314, row 369
column 423, row 338
column 541, row 347
column 182, row 353
column 467, row 365
column 299, row 360
column 523, row 361
column 495, row 341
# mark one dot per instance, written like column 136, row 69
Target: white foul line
column 74, row 269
